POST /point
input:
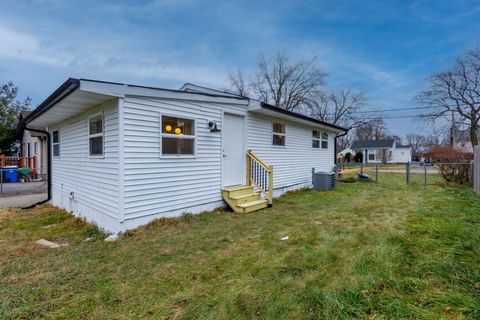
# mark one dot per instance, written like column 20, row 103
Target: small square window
column 178, row 136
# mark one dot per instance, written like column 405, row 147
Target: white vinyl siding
column 293, row 165
column 93, row 181
column 156, row 185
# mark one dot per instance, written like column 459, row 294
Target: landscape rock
column 111, row 238
column 47, row 243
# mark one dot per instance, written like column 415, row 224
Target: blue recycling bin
column 11, row 174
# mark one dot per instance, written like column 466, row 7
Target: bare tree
column 238, row 83
column 457, row 90
column 340, row 107
column 282, row 83
column 416, row 142
column 375, row 129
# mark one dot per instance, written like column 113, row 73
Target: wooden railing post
column 249, row 168
column 270, row 186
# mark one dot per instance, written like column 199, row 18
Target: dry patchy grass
column 364, row 250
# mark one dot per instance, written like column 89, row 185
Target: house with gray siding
column 123, row 155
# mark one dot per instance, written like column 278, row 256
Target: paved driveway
column 22, row 200
column 23, row 188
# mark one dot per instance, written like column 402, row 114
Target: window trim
column 95, row 135
column 171, row 135
column 279, row 134
column 317, row 139
column 56, row 143
column 35, row 148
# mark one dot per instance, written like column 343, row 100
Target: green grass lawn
column 365, row 250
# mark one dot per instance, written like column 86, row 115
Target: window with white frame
column 35, row 148
column 371, row 156
column 316, row 139
column 178, row 136
column 95, row 134
column 56, row 143
column 324, row 140
column 278, row 133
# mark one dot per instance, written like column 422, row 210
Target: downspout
column 49, row 169
column 335, row 146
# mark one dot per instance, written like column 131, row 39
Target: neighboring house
column 342, row 155
column 123, row 155
column 383, row 151
column 32, row 145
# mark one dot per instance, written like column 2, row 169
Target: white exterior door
column 233, row 150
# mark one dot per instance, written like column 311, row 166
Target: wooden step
column 238, row 190
column 253, row 206
column 244, row 198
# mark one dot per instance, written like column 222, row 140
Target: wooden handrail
column 260, row 175
column 257, row 159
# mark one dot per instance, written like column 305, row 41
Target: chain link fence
column 413, row 173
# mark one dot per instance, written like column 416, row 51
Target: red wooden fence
column 30, row 162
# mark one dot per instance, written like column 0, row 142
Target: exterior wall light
column 213, row 127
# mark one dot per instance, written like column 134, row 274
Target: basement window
column 278, row 133
column 316, row 139
column 56, row 143
column 324, row 140
column 95, row 137
column 178, row 136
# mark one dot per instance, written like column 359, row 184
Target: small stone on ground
column 111, row 238
column 47, row 243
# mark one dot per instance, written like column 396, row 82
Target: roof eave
column 301, row 116
column 64, row 90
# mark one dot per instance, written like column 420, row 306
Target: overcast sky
column 385, row 49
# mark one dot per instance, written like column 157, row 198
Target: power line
column 396, row 109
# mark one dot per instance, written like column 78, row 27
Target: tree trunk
column 474, row 134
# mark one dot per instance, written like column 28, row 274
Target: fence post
column 407, row 171
column 476, row 170
column 376, row 172
column 425, row 172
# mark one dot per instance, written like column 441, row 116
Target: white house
column 379, row 151
column 123, row 155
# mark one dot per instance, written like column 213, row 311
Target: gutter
column 335, row 145
column 49, row 168
column 301, row 116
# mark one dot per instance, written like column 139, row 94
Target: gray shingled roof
column 372, row 144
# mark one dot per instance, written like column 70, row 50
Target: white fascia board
column 122, row 90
